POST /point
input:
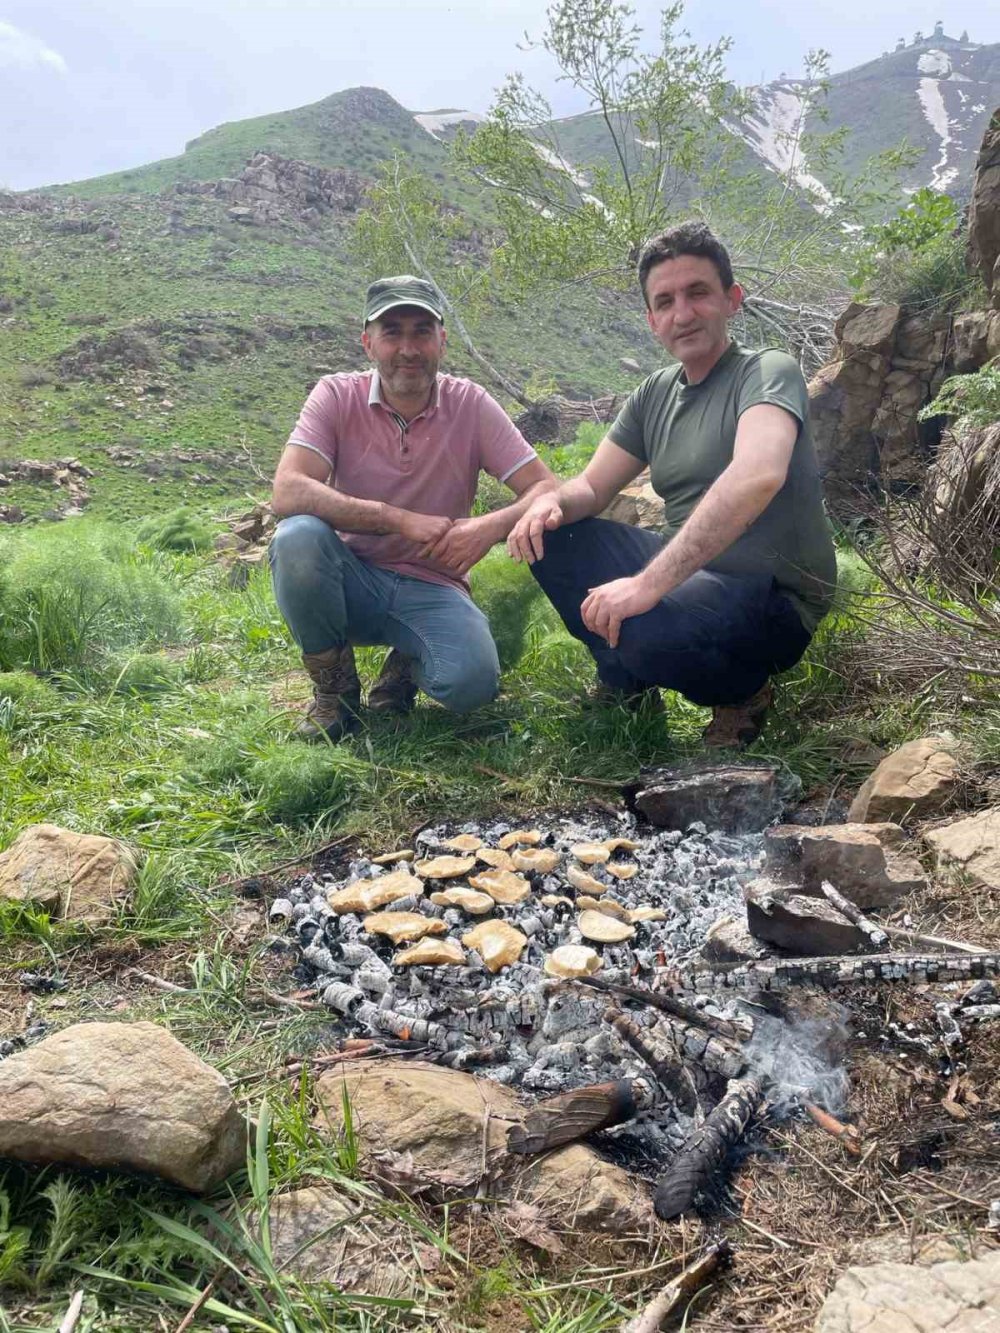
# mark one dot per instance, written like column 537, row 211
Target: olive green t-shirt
column 686, row 432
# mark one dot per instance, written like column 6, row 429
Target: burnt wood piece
column 693, row 1045
column 680, row 1290
column 705, row 1150
column 572, row 1115
column 875, row 935
column 833, row 972
column 662, row 1060
column 667, row 1004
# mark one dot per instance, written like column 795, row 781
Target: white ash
column 542, row 1035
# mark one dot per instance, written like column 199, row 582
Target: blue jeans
column 716, row 638
column 329, row 597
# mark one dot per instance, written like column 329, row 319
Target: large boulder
column 124, row 1096
column 984, row 207
column 863, row 861
column 452, row 1125
column 80, row 876
column 969, row 848
column 913, row 782
column 976, row 339
column 904, row 1298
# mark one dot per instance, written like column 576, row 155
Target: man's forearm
column 500, row 521
column 577, row 499
column 724, row 513
column 347, row 513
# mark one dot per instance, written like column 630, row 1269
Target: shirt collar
column 723, row 360
column 375, row 395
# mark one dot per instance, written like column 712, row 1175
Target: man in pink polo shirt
column 374, row 490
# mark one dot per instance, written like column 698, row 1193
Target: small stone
column 496, row 942
column 476, row 904
column 80, row 876
column 390, row 858
column 622, row 869
column 591, row 853
column 431, row 953
column 728, row 940
column 606, row 905
column 520, row 837
column 800, row 924
column 647, row 914
column 503, row 886
column 401, row 926
column 539, row 860
column 580, row 1191
column 493, row 856
column 464, row 842
column 572, row 960
column 445, row 867
column 584, row 882
column 914, row 782
column 604, row 929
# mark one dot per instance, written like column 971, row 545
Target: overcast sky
column 91, row 86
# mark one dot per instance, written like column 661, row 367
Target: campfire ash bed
column 549, row 951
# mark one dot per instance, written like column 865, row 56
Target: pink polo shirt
column 430, row 465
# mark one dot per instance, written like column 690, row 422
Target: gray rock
column 800, row 924
column 124, row 1096
column 903, row 1298
column 862, row 861
column 734, row 798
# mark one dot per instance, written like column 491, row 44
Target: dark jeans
column 716, row 638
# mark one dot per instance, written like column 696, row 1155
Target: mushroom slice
column 584, row 882
column 493, row 856
column 606, row 905
column 431, row 953
column 497, row 943
column 401, row 926
column 445, row 867
column 520, row 837
column 622, row 869
column 590, row 853
column 603, row 929
column 390, row 858
column 463, row 842
column 503, row 886
column 555, row 900
column 621, row 845
column 540, row 860
column 476, row 904
column 387, row 888
column 647, row 914
column 572, row 960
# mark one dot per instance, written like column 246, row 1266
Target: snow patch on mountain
column 552, row 159
column 936, row 63
column 929, row 93
column 775, row 129
column 436, row 122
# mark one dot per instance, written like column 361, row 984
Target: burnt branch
column 573, row 1115
column 829, row 973
column 706, row 1149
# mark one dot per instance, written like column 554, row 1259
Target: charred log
column 721, row 1027
column 661, row 1059
column 705, row 1150
column 572, row 1115
column 829, row 973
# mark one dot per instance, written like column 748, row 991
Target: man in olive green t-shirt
column 744, row 571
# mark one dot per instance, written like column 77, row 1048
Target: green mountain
column 163, row 325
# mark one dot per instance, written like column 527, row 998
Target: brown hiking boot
column 395, row 691
column 734, row 726
column 334, row 711
column 643, row 699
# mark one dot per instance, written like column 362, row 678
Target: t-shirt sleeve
column 316, row 427
column 775, row 378
column 627, row 428
column 502, row 447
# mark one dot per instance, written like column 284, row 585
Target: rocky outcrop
column 272, row 188
column 865, row 403
column 906, row 1298
column 79, row 876
column 121, row 1096
column 984, row 211
column 914, row 782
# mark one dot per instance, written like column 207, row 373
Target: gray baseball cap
column 405, row 289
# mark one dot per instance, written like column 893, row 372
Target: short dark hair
column 687, row 238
